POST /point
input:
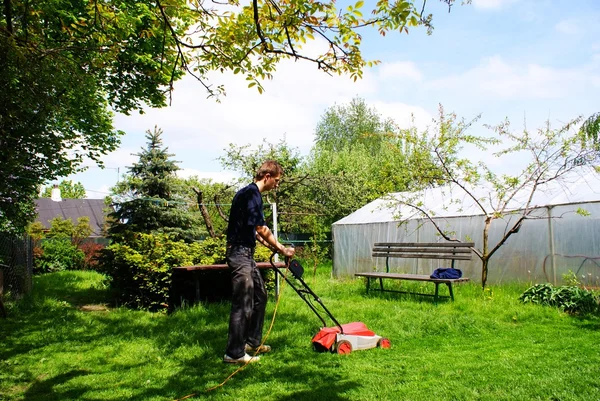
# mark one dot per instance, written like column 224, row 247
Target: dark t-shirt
column 246, row 213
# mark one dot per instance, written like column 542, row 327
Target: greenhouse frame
column 561, row 236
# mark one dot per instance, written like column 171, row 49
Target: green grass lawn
column 62, row 344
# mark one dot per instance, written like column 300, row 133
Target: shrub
column 91, row 250
column 141, row 269
column 572, row 299
column 262, row 254
column 212, row 251
column 60, row 248
column 58, row 254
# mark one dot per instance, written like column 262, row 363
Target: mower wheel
column 343, row 347
column 384, row 343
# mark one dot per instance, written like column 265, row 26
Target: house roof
column 72, row 209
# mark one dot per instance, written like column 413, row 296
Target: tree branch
column 218, row 204
column 180, row 52
column 320, row 63
column 438, row 228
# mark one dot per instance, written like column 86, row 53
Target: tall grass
column 62, row 343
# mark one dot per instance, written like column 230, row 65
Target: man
column 249, row 300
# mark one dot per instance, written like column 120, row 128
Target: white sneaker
column 243, row 360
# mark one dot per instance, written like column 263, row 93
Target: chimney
column 55, row 196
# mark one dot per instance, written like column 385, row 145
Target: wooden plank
column 422, row 255
column 418, row 248
column 413, row 277
column 426, row 244
column 422, row 250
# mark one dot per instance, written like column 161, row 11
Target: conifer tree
column 149, row 200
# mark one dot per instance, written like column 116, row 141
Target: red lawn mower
column 341, row 338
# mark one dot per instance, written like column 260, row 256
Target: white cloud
column 290, row 106
column 492, row 4
column 197, row 130
column 121, row 157
column 404, row 115
column 99, row 193
column 216, row 176
column 495, row 76
column 400, row 70
column 569, row 26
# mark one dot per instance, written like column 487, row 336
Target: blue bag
column 446, row 273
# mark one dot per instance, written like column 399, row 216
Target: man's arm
column 265, row 243
column 266, row 237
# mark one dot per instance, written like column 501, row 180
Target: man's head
column 269, row 174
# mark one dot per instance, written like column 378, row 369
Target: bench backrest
column 424, row 250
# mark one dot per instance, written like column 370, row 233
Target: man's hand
column 289, row 252
column 265, row 236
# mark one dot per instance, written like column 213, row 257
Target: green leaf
column 583, row 212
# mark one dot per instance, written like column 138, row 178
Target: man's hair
column 268, row 167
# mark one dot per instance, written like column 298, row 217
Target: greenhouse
column 561, row 234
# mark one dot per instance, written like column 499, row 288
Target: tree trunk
column 484, row 271
column 204, row 212
column 484, row 251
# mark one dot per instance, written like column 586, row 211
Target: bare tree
column 552, row 156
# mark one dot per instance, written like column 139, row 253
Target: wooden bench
column 198, row 269
column 445, row 250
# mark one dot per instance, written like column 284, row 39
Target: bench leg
column 381, row 284
column 197, row 281
column 368, row 284
column 435, row 297
column 450, row 290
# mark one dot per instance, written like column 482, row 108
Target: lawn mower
column 340, row 338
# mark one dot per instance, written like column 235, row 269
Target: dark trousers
column 248, row 301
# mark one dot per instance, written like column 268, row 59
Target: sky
column 530, row 61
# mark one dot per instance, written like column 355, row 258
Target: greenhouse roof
column 452, row 201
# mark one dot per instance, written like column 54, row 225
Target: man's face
column 272, row 182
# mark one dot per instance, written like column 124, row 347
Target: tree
column 68, row 190
column 148, row 199
column 359, row 156
column 43, row 137
column 343, row 126
column 61, row 65
column 553, row 156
